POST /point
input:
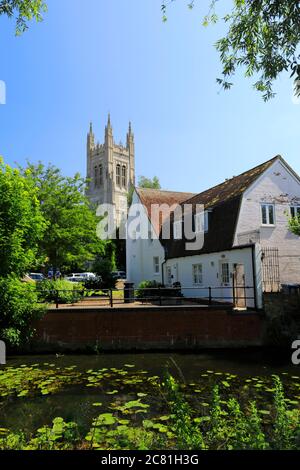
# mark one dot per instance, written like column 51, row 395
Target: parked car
column 119, row 274
column 37, row 277
column 81, row 277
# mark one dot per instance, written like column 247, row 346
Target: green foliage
column 282, row 429
column 262, row 37
column 294, row 225
column 18, row 309
column 149, row 183
column 133, row 420
column 148, row 289
column 60, row 436
column 23, row 11
column 63, row 292
column 21, row 222
column 188, row 434
column 104, row 268
column 70, row 239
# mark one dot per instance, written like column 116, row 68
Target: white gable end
column 278, row 187
column 144, row 256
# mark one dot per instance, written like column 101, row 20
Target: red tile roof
column 151, row 197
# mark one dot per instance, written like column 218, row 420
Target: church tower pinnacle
column 111, row 170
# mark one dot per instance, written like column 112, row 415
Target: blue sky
column 91, row 57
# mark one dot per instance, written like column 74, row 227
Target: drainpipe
column 254, row 276
column 162, row 267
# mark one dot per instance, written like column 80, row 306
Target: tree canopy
column 70, row 239
column 263, row 38
column 149, row 183
column 21, row 222
column 24, row 11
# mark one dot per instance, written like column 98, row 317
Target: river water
column 76, row 401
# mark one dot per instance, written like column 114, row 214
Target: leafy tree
column 21, row 227
column 21, row 222
column 19, row 308
column 23, row 11
column 70, row 239
column 149, row 183
column 294, row 224
column 263, row 37
column 104, row 268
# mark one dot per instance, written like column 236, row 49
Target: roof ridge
column 237, row 176
column 165, row 190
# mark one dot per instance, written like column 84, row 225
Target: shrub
column 64, row 292
column 104, row 268
column 18, row 309
column 148, row 289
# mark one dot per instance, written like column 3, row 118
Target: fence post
column 234, row 299
column 111, row 298
column 56, row 296
column 160, row 299
column 210, row 296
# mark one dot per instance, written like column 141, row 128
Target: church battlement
column 110, row 170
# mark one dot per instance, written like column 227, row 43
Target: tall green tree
column 263, row 38
column 149, row 183
column 21, row 228
column 23, row 11
column 70, row 239
column 21, row 222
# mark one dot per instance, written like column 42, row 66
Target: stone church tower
column 111, row 170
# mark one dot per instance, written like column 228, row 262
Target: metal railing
column 162, row 296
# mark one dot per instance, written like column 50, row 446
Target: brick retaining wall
column 139, row 328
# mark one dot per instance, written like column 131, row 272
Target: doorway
column 240, row 300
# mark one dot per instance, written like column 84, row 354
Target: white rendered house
column 247, row 248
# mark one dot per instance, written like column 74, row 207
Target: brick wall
column 187, row 327
column 282, row 303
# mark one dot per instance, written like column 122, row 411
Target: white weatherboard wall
column 279, row 186
column 140, row 254
column 182, row 271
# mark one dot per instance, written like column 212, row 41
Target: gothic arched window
column 96, row 177
column 118, row 175
column 124, row 176
column 100, row 175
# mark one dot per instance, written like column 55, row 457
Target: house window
column 225, row 274
column 268, row 214
column 177, row 230
column 201, row 222
column 197, row 274
column 100, row 175
column 124, row 176
column 156, row 264
column 118, row 175
column 295, row 211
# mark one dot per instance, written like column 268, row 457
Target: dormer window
column 201, row 222
column 177, row 226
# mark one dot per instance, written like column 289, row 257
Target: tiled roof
column 150, row 197
column 232, row 187
column 225, row 200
